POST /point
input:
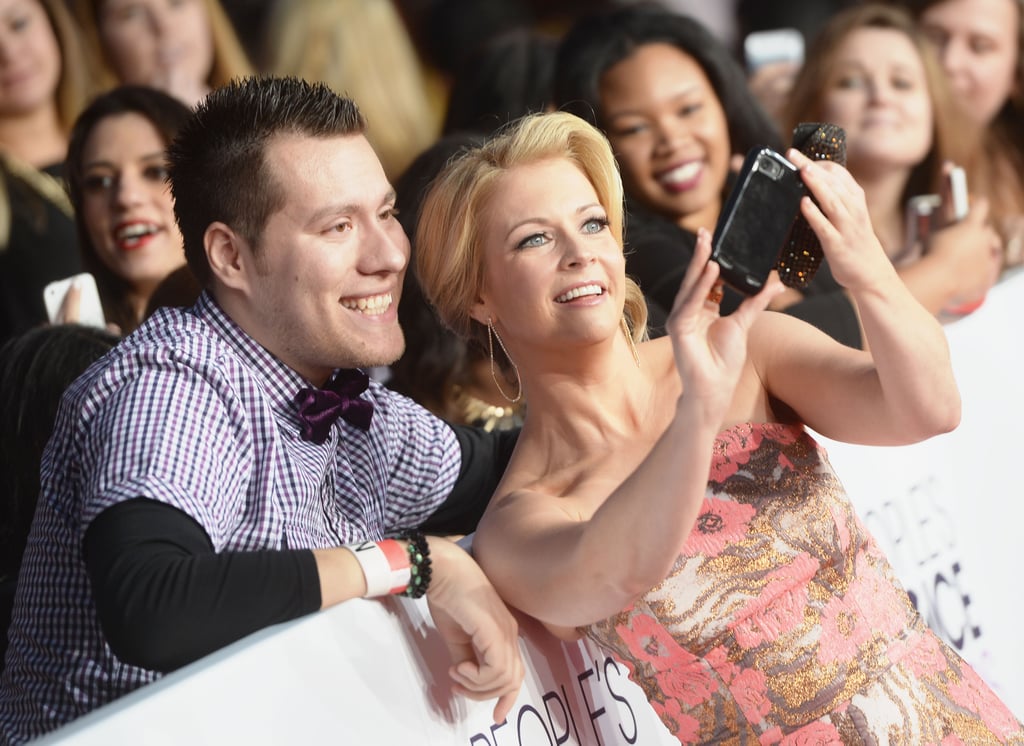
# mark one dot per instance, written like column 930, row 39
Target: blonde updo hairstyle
column 449, row 242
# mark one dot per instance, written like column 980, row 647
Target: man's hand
column 481, row 634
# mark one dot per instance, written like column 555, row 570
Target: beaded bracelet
column 419, row 564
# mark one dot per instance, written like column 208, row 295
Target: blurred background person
column 124, row 211
column 35, row 368
column 45, row 80
column 871, row 71
column 506, row 76
column 445, row 32
column 980, row 45
column 771, row 80
column 362, row 49
column 182, row 47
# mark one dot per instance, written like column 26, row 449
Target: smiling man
column 214, row 474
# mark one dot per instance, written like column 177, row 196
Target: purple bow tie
column 319, row 408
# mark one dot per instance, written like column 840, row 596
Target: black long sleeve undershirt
column 484, row 458
column 165, row 598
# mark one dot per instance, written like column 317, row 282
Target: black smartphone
column 756, row 219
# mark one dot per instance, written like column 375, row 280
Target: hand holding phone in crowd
column 74, row 300
column 967, row 241
column 773, row 58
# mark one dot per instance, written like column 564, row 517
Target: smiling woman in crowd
column 664, row 497
column 871, row 71
column 981, row 46
column 124, row 211
column 675, row 105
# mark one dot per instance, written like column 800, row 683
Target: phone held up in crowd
column 89, row 308
column 761, row 227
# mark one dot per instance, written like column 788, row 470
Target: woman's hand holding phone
column 710, row 349
column 968, row 242
column 74, row 300
column 838, row 214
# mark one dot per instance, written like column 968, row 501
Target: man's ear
column 229, row 256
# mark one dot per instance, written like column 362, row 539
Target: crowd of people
column 377, row 274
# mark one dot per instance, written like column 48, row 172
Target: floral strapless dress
column 782, row 622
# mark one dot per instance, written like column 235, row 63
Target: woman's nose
column 577, row 253
column 669, row 132
column 128, row 190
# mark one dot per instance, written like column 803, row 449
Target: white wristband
column 385, row 566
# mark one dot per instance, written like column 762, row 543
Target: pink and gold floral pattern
column 782, row 622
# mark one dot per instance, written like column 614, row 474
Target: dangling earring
column 491, row 333
column 632, row 344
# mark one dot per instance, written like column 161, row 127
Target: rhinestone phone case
column 801, row 255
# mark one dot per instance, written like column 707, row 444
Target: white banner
column 373, row 672
column 949, row 512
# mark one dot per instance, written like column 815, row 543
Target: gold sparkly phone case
column 801, row 255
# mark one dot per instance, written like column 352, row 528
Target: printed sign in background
column 949, row 512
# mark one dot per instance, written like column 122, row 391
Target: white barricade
column 372, row 672
column 948, row 512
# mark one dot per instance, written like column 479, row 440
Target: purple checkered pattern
column 191, row 411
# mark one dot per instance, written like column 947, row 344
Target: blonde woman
column 664, row 497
